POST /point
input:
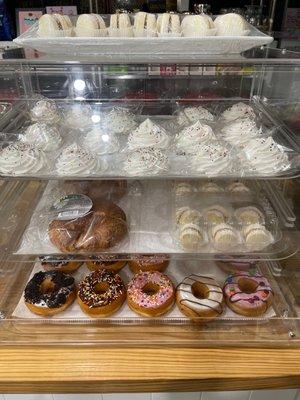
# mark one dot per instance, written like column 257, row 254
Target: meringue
column 21, row 158
column 79, row 116
column 146, row 160
column 144, row 24
column 120, row 120
column 148, row 134
column 168, row 24
column 238, row 110
column 99, row 142
column 211, row 159
column 44, row 111
column 239, row 132
column 231, row 25
column 43, row 136
column 265, row 156
column 193, row 114
column 196, row 26
column 74, row 160
column 192, row 136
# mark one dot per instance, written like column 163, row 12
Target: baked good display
column 148, row 134
column 216, row 214
column 102, row 228
column 55, row 25
column 120, row 120
column 265, row 156
column 145, row 161
column 148, row 262
column 193, row 136
column 191, row 236
column 150, row 294
column 237, row 187
column 197, row 26
column 249, row 215
column 231, row 24
column 44, row 110
column 238, row 111
column 76, row 161
column 168, row 24
column 211, row 159
column 101, row 293
column 67, row 265
column 200, row 297
column 193, row 114
column 249, row 295
column 120, row 25
column 144, row 24
column 44, row 136
column 239, row 132
column 49, row 293
column 100, row 142
column 108, row 262
column 21, row 158
column 256, row 236
column 224, row 236
column 90, row 25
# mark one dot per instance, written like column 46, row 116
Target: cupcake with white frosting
column 239, row 132
column 237, row 111
column 212, row 159
column 146, row 161
column 192, row 136
column 21, row 158
column 100, row 142
column 192, row 114
column 44, row 136
column 148, row 134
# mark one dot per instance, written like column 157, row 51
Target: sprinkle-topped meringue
column 145, row 161
column 21, row 158
column 238, row 110
column 43, row 136
column 192, row 114
column 148, row 134
column 239, row 132
column 44, row 111
column 74, row 160
column 194, row 135
column 100, row 142
column 265, row 156
column 120, row 120
column 211, row 159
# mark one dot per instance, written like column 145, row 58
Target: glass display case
column 186, row 166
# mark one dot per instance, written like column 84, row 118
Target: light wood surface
column 89, row 369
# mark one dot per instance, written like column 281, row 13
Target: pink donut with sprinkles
column 150, row 294
column 248, row 294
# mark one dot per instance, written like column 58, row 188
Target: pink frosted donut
column 150, row 293
column 247, row 294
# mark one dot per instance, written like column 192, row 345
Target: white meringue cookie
column 212, row 159
column 231, row 25
column 192, row 136
column 44, row 136
column 192, row 114
column 196, row 26
column 100, row 142
column 148, row 134
column 120, row 120
column 44, row 111
column 146, row 161
column 79, row 116
column 238, row 110
column 239, row 132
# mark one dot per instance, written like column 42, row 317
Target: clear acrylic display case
column 159, row 89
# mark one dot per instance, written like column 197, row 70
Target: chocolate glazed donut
column 102, row 228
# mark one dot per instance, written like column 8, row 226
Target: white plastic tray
column 139, row 46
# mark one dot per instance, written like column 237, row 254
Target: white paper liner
column 177, row 271
column 87, row 32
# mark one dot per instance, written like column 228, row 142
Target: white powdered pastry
column 192, row 136
column 239, row 132
column 192, row 114
column 197, row 26
column 265, row 156
column 21, row 158
column 237, row 111
column 212, row 159
column 74, row 160
column 44, row 136
column 231, row 25
column 100, row 142
column 44, row 111
column 120, row 120
column 78, row 116
column 146, row 161
column 148, row 134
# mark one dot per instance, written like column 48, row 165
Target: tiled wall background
column 238, row 395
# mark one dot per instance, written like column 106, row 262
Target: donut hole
column 47, row 286
column 150, row 288
column 247, row 285
column 101, row 287
column 200, row 290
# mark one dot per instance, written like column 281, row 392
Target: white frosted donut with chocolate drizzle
column 248, row 294
column 199, row 296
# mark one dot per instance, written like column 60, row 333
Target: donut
column 68, row 265
column 101, row 293
column 102, row 228
column 150, row 294
column 148, row 262
column 110, row 263
column 249, row 295
column 49, row 292
column 199, row 296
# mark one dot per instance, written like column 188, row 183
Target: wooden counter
column 94, row 369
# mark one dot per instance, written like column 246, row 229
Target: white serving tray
column 158, row 46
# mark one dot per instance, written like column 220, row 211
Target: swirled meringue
column 148, row 134
column 120, row 120
column 100, row 142
column 192, row 136
column 145, row 161
column 192, row 114
column 238, row 110
column 79, row 116
column 239, row 132
column 43, row 136
column 265, row 156
column 21, row 158
column 212, row 159
column 45, row 111
column 74, row 160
